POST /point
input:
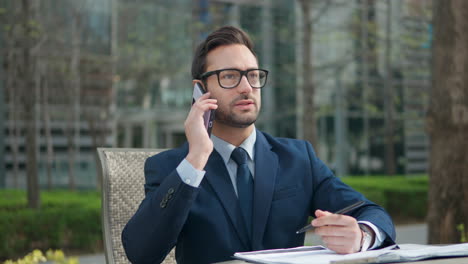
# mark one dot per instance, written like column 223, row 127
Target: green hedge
column 405, row 198
column 66, row 220
column 72, row 220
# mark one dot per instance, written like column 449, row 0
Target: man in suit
column 241, row 189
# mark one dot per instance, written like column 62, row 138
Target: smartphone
column 208, row 117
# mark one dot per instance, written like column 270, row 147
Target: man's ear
column 194, row 81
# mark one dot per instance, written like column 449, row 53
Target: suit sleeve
column 153, row 230
column 331, row 194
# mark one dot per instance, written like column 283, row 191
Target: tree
column 447, row 123
column 307, row 91
column 309, row 120
column 22, row 33
column 47, row 129
column 73, row 121
column 389, row 104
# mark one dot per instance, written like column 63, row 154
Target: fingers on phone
column 206, row 104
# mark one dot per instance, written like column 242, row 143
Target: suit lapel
column 218, row 177
column 266, row 167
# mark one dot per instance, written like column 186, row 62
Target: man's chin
column 242, row 125
column 238, row 123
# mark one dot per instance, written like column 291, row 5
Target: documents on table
column 322, row 255
column 286, row 255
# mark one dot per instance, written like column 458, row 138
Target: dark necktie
column 244, row 186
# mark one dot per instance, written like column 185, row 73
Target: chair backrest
column 123, row 180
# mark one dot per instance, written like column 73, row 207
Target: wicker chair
column 123, row 179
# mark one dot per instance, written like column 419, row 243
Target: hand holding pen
column 340, row 233
column 342, row 211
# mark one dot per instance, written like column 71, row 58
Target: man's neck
column 233, row 135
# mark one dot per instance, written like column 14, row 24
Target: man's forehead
column 231, row 56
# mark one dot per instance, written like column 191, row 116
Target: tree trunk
column 28, row 100
column 47, row 131
column 364, row 72
column 74, row 137
column 447, row 123
column 309, row 122
column 389, row 104
column 13, row 116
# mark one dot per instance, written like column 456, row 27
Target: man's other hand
column 340, row 233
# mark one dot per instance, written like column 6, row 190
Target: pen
column 342, row 211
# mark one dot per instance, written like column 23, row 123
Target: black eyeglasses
column 230, row 78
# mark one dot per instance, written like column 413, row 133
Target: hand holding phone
column 208, row 116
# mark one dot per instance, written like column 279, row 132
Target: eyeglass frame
column 205, row 75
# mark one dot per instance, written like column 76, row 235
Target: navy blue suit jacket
column 205, row 223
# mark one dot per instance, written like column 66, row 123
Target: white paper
column 321, row 255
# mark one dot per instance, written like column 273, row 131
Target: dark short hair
column 226, row 35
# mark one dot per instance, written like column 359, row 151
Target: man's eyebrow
column 234, row 68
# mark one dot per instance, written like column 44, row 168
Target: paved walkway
column 412, row 234
column 406, row 234
column 92, row 259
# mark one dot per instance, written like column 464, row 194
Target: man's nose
column 244, row 85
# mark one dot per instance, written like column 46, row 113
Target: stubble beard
column 229, row 118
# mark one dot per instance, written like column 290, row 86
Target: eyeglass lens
column 231, row 78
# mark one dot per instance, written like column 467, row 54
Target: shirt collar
column 225, row 149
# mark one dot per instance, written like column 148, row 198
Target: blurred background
column 83, row 74
column 351, row 76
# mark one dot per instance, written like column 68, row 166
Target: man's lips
column 244, row 103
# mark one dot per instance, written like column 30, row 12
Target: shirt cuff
column 189, row 175
column 379, row 234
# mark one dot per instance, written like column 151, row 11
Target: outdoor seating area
column 132, row 130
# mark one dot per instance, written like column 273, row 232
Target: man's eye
column 229, row 76
column 253, row 75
